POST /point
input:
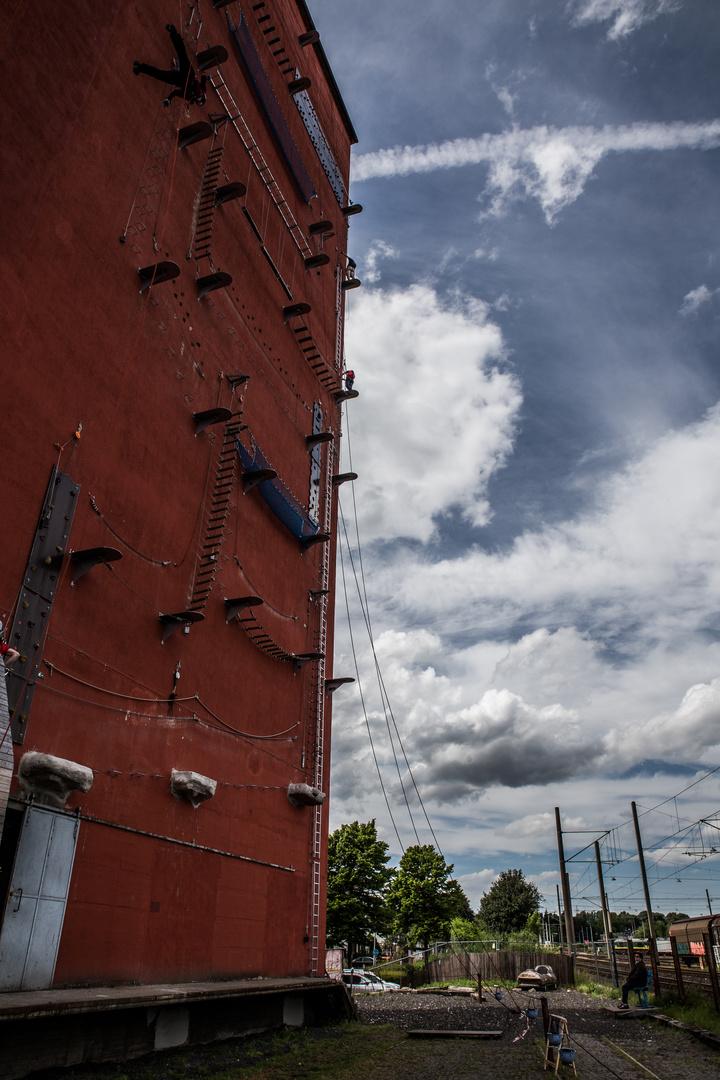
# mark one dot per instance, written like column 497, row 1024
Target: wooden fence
column 496, row 966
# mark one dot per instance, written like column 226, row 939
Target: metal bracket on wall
column 235, row 605
column 173, row 621
column 88, row 558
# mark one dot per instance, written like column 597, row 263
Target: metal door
column 36, row 901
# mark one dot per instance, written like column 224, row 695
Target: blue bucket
column 554, row 1039
column 567, row 1055
column 531, row 1014
column 499, row 995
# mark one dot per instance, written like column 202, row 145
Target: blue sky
column 537, row 431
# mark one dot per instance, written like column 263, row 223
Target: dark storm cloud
column 504, row 742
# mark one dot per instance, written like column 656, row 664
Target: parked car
column 540, row 978
column 364, row 982
column 363, row 961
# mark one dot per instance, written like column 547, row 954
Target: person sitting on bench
column 637, row 977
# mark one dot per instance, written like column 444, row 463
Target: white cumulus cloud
column 436, row 413
column 640, row 563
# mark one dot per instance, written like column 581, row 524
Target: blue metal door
column 36, row 901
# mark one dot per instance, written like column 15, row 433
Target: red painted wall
column 90, row 155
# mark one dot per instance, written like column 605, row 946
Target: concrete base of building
column 47, row 1029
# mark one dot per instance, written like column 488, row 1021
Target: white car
column 364, row 982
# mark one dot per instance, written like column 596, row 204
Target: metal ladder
column 338, row 323
column 318, row 724
column 219, row 510
column 235, row 118
column 206, row 207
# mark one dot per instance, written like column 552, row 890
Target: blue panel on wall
column 317, row 136
column 271, row 107
column 278, row 496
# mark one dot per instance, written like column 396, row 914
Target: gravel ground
column 379, row 1048
column 604, row 1044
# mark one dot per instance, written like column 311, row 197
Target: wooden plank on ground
column 632, row 1010
column 431, row 1033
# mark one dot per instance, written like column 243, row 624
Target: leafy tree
column 675, row 916
column 358, row 878
column 589, row 925
column 659, row 922
column 463, row 929
column 424, row 898
column 508, row 903
column 533, row 925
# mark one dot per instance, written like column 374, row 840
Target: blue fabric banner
column 279, row 498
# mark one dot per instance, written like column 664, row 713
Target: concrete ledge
column 55, row 1028
column 708, row 1037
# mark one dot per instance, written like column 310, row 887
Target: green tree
column 463, row 929
column 508, row 903
column 660, row 923
column 533, row 925
column 424, row 898
column 358, row 878
column 589, row 925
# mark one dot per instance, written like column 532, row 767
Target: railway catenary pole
column 560, row 917
column 648, row 908
column 606, row 916
column 614, row 954
column 708, row 900
column 565, row 882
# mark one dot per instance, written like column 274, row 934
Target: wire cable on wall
column 364, row 605
column 362, row 701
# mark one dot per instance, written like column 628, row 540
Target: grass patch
column 452, row 982
column 697, row 1010
column 595, row 989
column 312, row 1053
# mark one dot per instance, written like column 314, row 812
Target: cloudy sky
column 537, row 434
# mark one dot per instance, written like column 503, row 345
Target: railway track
column 599, row 967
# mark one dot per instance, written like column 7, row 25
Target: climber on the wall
column 7, row 653
column 183, row 78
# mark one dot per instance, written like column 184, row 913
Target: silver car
column 364, row 982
